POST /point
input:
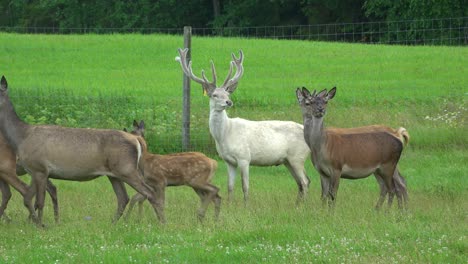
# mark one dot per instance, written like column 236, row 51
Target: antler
column 187, row 69
column 231, row 84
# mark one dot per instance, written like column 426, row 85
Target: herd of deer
column 81, row 154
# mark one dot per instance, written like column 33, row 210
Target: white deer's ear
column 331, row 93
column 3, row 84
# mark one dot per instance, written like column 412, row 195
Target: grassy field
column 109, row 80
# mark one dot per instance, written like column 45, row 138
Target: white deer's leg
column 298, row 173
column 231, row 180
column 244, row 169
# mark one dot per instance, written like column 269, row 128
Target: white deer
column 240, row 142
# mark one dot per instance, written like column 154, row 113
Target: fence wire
column 443, row 31
column 164, row 121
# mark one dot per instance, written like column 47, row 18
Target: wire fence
column 443, row 31
column 164, row 120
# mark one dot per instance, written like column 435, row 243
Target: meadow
column 108, row 80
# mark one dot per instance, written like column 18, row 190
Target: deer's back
column 178, row 168
column 264, row 143
column 362, row 149
column 79, row 152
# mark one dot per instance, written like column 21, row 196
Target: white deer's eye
column 214, row 96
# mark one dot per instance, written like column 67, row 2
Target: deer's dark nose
column 229, row 103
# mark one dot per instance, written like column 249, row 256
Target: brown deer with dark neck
column 76, row 154
column 352, row 153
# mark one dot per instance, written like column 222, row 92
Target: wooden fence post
column 186, row 93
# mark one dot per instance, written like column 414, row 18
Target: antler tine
column 187, row 69
column 229, row 74
column 231, row 84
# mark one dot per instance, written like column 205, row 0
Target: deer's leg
column 138, row 197
column 387, row 172
column 298, row 173
column 155, row 198
column 217, row 202
column 122, row 197
column 400, row 182
column 400, row 189
column 40, row 182
column 23, row 189
column 207, row 194
column 6, row 196
column 325, row 186
column 333, row 188
column 52, row 190
column 244, row 169
column 231, row 180
column 383, row 190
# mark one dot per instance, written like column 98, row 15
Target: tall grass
column 109, row 80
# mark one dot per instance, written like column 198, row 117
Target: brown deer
column 9, row 172
column 352, row 153
column 192, row 169
column 76, row 154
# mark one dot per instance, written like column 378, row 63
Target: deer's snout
column 229, row 103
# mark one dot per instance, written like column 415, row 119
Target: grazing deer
column 9, row 171
column 352, row 153
column 77, row 154
column 241, row 143
column 192, row 169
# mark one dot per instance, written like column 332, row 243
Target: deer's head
column 219, row 96
column 315, row 104
column 3, row 90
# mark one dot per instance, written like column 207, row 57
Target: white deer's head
column 219, row 96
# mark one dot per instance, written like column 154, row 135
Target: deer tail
column 142, row 148
column 403, row 135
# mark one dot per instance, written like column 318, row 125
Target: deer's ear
column 299, row 95
column 322, row 93
column 331, row 93
column 3, row 84
column 141, row 125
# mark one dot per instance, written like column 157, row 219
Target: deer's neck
column 12, row 127
column 314, row 133
column 219, row 123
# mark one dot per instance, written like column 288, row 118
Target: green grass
column 109, row 80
